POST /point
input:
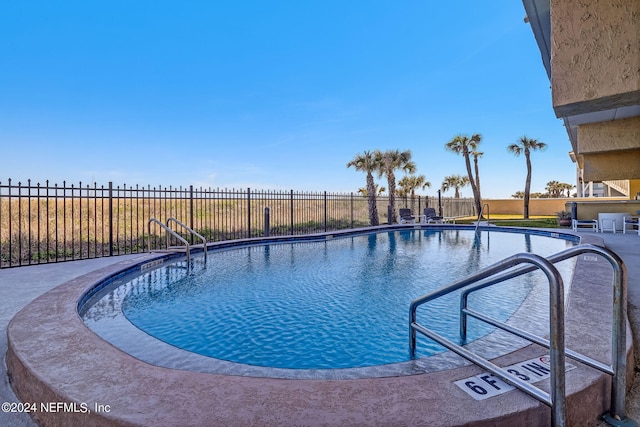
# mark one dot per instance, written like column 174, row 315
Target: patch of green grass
column 506, row 220
column 542, row 222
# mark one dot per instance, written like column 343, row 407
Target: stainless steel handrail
column 193, row 232
column 169, row 231
column 481, row 214
column 556, row 399
column 618, row 367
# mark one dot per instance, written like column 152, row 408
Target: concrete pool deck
column 21, row 285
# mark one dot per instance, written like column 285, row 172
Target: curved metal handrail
column 193, row 232
column 169, row 231
column 618, row 367
column 556, row 399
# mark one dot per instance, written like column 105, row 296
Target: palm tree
column 464, row 145
column 410, row 183
column 365, row 162
column 567, row 187
column 554, row 189
column 526, row 145
column 476, row 155
column 456, row 182
column 378, row 189
column 387, row 163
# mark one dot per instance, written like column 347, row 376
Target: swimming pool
column 334, row 303
column 49, row 344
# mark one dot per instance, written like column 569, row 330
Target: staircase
column 620, row 185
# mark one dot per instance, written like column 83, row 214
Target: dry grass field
column 84, row 223
column 34, row 231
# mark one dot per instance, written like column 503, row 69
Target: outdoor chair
column 630, row 221
column 431, row 217
column 575, row 223
column 405, row 216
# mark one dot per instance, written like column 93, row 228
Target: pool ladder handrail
column 557, row 399
column 617, row 368
column 480, row 215
column 169, row 232
column 193, row 233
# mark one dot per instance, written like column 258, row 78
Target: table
column 611, row 221
column 420, row 218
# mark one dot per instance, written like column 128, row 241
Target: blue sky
column 270, row 95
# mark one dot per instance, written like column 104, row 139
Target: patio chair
column 575, row 223
column 431, row 217
column 405, row 216
column 631, row 221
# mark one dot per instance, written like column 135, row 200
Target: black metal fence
column 53, row 223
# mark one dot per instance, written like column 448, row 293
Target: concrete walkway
column 627, row 246
column 19, row 286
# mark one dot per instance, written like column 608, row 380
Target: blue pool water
column 338, row 303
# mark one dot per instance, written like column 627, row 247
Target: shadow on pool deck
column 19, row 286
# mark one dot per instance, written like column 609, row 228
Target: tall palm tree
column 465, row 145
column 456, row 182
column 365, row 162
column 410, row 183
column 387, row 163
column 476, row 155
column 526, row 145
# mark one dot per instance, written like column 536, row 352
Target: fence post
column 110, row 218
column 191, row 213
column 20, row 222
column 10, row 227
column 291, row 211
column 351, row 198
column 248, row 212
column 267, row 221
column 325, row 211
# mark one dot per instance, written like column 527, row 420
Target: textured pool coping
column 54, row 357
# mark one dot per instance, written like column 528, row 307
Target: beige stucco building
column 591, row 51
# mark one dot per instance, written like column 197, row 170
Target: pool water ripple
column 341, row 303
